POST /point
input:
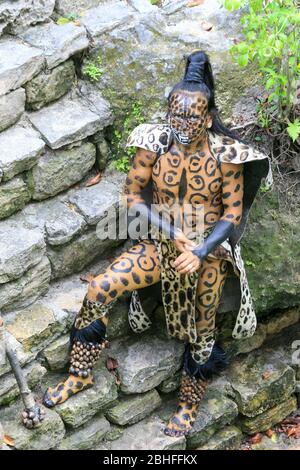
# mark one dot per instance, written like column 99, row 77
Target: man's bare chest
column 194, row 179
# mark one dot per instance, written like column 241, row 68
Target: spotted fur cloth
column 174, row 286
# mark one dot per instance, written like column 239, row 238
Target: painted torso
column 195, row 179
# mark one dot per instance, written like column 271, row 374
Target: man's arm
column 138, row 177
column 232, row 198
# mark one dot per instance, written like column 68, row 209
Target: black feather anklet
column 216, row 363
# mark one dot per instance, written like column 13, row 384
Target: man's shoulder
column 230, row 150
column 153, row 137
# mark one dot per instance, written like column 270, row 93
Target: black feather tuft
column 216, row 363
column 93, row 333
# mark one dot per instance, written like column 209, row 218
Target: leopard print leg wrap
column 191, row 389
column 202, row 348
column 83, row 358
column 91, row 310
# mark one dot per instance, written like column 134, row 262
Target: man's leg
column 203, row 358
column 137, row 268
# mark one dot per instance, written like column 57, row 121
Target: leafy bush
column 133, row 118
column 272, row 40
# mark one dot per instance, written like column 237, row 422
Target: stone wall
column 59, row 122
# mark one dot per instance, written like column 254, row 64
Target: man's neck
column 200, row 145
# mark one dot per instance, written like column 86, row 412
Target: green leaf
column 62, row 20
column 243, row 60
column 293, row 129
column 232, row 5
column 269, row 83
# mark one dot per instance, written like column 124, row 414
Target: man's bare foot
column 64, row 390
column 182, row 420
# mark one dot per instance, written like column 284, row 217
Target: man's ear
column 208, row 121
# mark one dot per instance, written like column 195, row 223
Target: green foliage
column 272, row 37
column 264, row 189
column 232, row 5
column 94, row 69
column 133, row 118
column 293, row 129
column 122, row 164
column 67, row 19
column 250, row 263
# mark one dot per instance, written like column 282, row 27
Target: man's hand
column 187, row 263
column 183, row 243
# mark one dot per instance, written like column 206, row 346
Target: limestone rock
column 105, row 196
column 144, row 362
column 78, row 254
column 20, row 249
column 103, row 152
column 5, row 447
column 62, row 229
column 228, row 438
column 58, row 42
column 114, row 433
column 284, row 346
column 69, row 120
column 12, row 105
column 143, row 6
column 276, row 442
column 283, row 320
column 24, row 357
column 49, row 86
column 81, row 407
column 106, row 17
column 87, row 436
column 271, row 228
column 267, row 419
column 19, row 63
column 26, row 289
column 67, row 294
column 247, row 345
column 60, row 169
column 20, row 150
column 149, row 435
column 65, row 7
column 13, row 196
column 18, row 15
column 171, row 384
column 54, row 218
column 132, row 409
column 259, row 382
column 57, row 354
column 9, row 389
column 215, row 412
column 118, row 324
column 171, row 6
column 37, row 326
column 47, row 436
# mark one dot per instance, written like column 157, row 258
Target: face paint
column 187, row 116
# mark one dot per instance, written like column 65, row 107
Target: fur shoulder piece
column 229, row 150
column 154, row 137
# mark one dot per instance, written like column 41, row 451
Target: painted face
column 187, row 116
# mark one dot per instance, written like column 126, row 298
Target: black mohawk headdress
column 195, row 72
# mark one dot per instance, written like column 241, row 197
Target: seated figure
column 191, row 160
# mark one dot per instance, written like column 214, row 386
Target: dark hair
column 198, row 76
